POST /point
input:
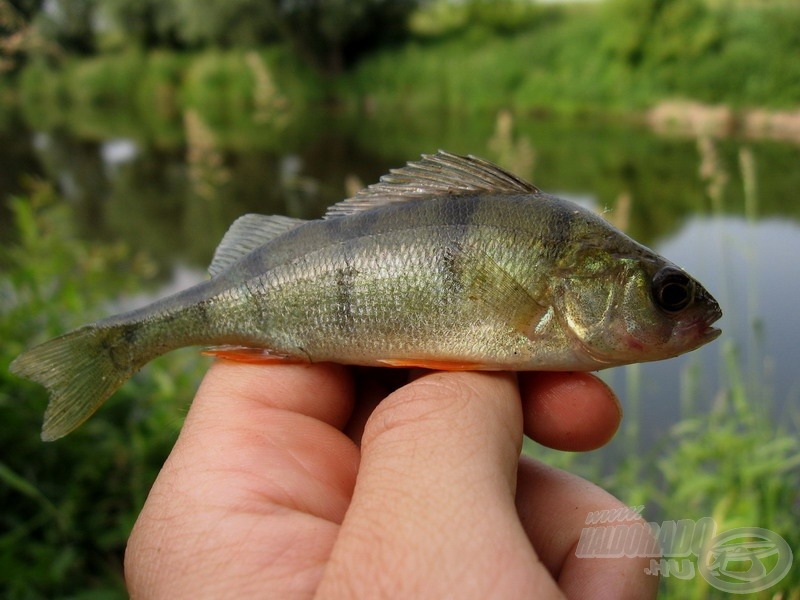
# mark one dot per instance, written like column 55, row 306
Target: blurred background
column 133, row 132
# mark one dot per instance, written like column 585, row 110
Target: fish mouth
column 713, row 313
column 709, row 334
column 700, row 328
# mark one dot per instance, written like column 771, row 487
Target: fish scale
column 450, row 262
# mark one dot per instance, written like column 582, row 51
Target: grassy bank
column 595, row 59
column 615, row 58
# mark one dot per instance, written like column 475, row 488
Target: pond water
column 728, row 211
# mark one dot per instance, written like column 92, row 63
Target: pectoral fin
column 500, row 296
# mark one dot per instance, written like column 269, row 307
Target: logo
column 739, row 561
column 746, row 560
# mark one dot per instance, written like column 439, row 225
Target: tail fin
column 80, row 369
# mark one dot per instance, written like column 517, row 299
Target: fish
column 449, row 263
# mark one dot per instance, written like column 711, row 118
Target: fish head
column 636, row 309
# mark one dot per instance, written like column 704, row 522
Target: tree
column 69, row 23
column 662, row 31
column 331, row 34
column 327, row 34
column 224, row 23
column 149, row 23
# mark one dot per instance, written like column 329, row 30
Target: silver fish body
column 450, row 262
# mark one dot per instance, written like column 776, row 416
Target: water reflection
column 752, row 268
column 117, row 152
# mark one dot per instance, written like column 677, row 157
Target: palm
column 261, row 494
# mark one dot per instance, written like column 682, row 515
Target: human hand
column 283, row 485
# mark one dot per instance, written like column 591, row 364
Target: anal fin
column 246, row 354
column 436, row 365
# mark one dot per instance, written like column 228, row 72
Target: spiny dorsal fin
column 247, row 233
column 439, row 174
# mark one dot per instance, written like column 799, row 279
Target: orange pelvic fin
column 245, row 354
column 436, row 365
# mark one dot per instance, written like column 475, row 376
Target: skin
column 291, row 481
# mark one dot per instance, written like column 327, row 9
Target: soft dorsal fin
column 247, row 233
column 440, row 174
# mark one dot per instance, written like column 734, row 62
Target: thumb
column 433, row 510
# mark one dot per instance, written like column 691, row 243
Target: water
column 174, row 200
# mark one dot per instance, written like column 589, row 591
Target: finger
column 553, row 506
column 322, row 392
column 372, row 385
column 433, row 510
column 277, row 425
column 254, row 489
column 569, row 411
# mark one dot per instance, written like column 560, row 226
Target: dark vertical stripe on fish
column 451, row 266
column 202, row 312
column 345, row 282
column 451, row 258
column 557, row 233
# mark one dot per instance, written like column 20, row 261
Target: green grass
column 732, row 464
column 69, row 507
column 592, row 60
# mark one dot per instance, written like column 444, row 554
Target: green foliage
column 443, row 18
column 757, row 65
column 242, row 94
column 623, row 56
column 743, row 471
column 148, row 23
column 104, row 81
column 662, row 31
column 732, row 465
column 223, row 24
column 325, row 34
column 43, row 94
column 69, row 24
column 236, row 89
column 68, row 508
column 219, row 85
column 332, row 34
column 468, row 58
column 158, row 94
column 544, row 66
column 686, row 48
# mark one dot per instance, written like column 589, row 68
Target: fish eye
column 673, row 290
